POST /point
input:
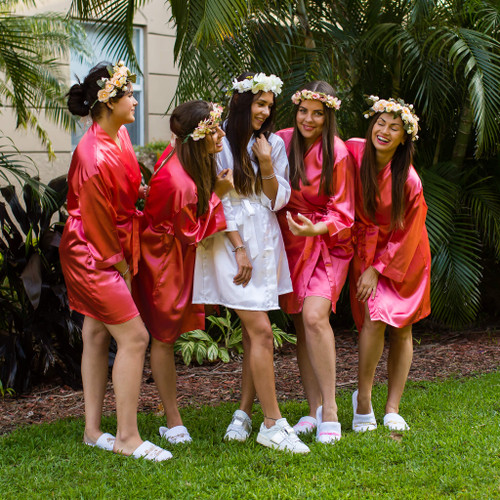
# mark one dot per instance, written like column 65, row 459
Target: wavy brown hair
column 400, row 165
column 298, row 147
column 239, row 131
column 193, row 155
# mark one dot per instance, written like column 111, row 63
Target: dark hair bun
column 77, row 103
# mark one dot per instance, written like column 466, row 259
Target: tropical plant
column 31, row 48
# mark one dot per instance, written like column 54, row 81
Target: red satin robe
column 402, row 256
column 163, row 288
column 329, row 253
column 103, row 226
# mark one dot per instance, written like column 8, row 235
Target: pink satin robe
column 337, row 211
column 103, row 226
column 163, row 288
column 402, row 256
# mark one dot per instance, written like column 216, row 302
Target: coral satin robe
column 402, row 256
column 164, row 286
column 332, row 251
column 103, row 226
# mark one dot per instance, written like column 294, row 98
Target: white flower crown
column 205, row 126
column 327, row 99
column 120, row 75
column 259, row 83
column 396, row 108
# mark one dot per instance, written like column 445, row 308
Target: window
column 81, row 68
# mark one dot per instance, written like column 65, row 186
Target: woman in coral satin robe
column 99, row 254
column 183, row 207
column 390, row 274
column 316, row 229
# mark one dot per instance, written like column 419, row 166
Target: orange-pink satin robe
column 164, row 285
column 402, row 256
column 337, row 211
column 103, row 226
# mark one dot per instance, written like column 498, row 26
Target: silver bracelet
column 267, row 177
column 125, row 272
column 241, row 247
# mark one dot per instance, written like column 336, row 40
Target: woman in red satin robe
column 99, row 254
column 390, row 273
column 183, row 207
column 316, row 230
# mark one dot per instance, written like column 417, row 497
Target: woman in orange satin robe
column 316, row 226
column 183, row 206
column 390, row 271
column 99, row 254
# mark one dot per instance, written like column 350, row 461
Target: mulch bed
column 435, row 357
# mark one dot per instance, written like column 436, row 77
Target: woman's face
column 387, row 134
column 124, row 109
column 310, row 119
column 261, row 109
column 214, row 140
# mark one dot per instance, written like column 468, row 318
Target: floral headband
column 120, row 75
column 328, row 100
column 205, row 126
column 396, row 108
column 259, row 83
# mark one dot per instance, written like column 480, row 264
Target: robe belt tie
column 247, row 228
column 364, row 239
column 136, row 242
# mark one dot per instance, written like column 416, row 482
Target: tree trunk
column 304, row 22
column 463, row 134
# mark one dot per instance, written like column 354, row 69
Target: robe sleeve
column 99, row 222
column 340, row 208
column 398, row 254
column 190, row 229
column 279, row 160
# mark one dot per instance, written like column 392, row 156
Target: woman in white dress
column 245, row 268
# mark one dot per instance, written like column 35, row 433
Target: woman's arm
column 244, row 265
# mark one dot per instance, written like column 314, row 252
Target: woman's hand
column 128, row 281
column 143, row 192
column 224, row 182
column 307, row 228
column 244, row 268
column 367, row 284
column 262, row 150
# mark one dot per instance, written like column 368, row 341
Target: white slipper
column 305, row 425
column 362, row 422
column 395, row 422
column 328, row 432
column 175, row 435
column 149, row 451
column 106, row 442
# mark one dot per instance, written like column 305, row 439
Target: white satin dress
column 255, row 219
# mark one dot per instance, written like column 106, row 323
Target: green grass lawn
column 451, row 451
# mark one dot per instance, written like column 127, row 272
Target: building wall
column 160, row 80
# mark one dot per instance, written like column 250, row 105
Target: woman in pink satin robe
column 390, row 271
column 183, row 206
column 316, row 227
column 99, row 254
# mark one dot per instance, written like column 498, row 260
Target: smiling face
column 214, row 140
column 124, row 109
column 261, row 109
column 387, row 134
column 310, row 120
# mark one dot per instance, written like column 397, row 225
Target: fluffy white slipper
column 395, row 422
column 106, row 442
column 328, row 432
column 175, row 435
column 149, row 451
column 362, row 422
column 305, row 425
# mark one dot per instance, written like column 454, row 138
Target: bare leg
column 321, row 348
column 94, row 375
column 309, row 381
column 371, row 346
column 163, row 368
column 247, row 385
column 261, row 362
column 398, row 365
column 132, row 340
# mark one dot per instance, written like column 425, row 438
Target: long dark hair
column 238, row 132
column 194, row 155
column 298, row 147
column 400, row 165
column 82, row 96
